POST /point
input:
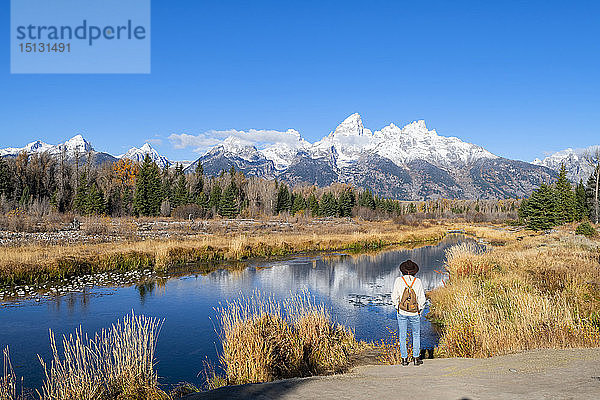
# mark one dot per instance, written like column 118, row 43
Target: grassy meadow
column 536, row 291
column 34, row 262
column 530, row 290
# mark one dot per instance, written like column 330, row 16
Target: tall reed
column 541, row 292
column 8, row 380
column 116, row 363
column 264, row 339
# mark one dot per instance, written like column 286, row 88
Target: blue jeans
column 415, row 324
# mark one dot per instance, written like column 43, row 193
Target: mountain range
column 409, row 163
column 574, row 160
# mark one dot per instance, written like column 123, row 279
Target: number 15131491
column 45, row 47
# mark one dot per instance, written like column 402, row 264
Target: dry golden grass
column 118, row 363
column 265, row 340
column 8, row 380
column 36, row 263
column 540, row 292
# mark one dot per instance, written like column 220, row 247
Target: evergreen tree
column 593, row 196
column 181, row 194
column 539, row 211
column 581, row 211
column 298, row 204
column 81, row 195
column 199, row 183
column 328, row 206
column 94, row 203
column 565, row 198
column 366, row 199
column 313, row 205
column 345, row 203
column 202, row 201
column 232, row 171
column 284, row 202
column 228, row 206
column 215, row 196
column 147, row 197
column 6, row 186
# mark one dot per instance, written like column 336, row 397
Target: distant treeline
column 40, row 184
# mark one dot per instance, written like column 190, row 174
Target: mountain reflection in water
column 355, row 287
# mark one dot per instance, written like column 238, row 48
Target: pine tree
column 6, row 186
column 284, row 202
column 199, row 183
column 94, row 204
column 298, row 204
column 593, row 202
column 313, row 205
column 580, row 202
column 565, row 198
column 215, row 197
column 345, row 204
column 81, row 195
column 202, row 201
column 228, row 206
column 148, row 196
column 539, row 211
column 328, row 206
column 366, row 199
column 181, row 194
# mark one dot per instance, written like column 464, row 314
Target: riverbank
column 552, row 374
column 540, row 291
column 29, row 263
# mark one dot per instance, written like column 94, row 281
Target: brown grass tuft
column 541, row 292
column 117, row 363
column 265, row 340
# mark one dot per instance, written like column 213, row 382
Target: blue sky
column 519, row 78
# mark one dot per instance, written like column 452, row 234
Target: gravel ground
column 537, row 374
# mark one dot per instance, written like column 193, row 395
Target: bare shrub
column 188, row 211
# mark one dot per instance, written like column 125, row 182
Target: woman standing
column 408, row 297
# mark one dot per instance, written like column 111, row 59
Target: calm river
column 356, row 289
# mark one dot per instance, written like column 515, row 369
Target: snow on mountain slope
column 282, row 154
column 349, row 139
column 574, row 160
column 33, row 147
column 138, row 155
column 415, row 141
column 239, row 148
column 77, row 145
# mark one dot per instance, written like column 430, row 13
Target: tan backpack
column 409, row 302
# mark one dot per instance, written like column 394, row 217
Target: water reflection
column 355, row 287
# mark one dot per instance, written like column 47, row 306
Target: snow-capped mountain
column 138, row 155
column 416, row 142
column 409, row 163
column 235, row 152
column 575, row 162
column 346, row 143
column 76, row 148
column 282, row 154
column 77, row 145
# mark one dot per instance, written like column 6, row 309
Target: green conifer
column 148, row 193
column 284, row 202
column 580, row 202
column 299, row 204
column 228, row 206
column 565, row 198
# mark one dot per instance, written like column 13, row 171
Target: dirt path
column 539, row 374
